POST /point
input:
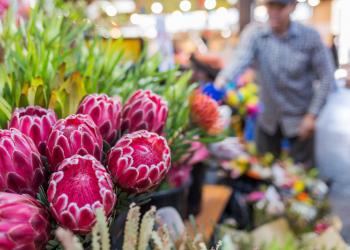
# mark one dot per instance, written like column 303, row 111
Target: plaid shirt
column 287, row 69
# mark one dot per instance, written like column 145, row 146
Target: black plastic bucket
column 174, row 197
column 196, row 188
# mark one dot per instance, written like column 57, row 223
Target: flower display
column 139, row 161
column 144, row 110
column 105, row 112
column 76, row 134
column 35, row 122
column 24, row 223
column 80, row 186
column 21, row 169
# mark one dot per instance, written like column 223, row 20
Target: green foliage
column 34, row 53
column 50, row 52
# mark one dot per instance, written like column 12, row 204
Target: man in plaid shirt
column 289, row 58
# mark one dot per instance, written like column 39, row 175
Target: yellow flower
column 232, row 99
column 299, row 186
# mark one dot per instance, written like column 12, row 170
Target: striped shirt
column 287, row 67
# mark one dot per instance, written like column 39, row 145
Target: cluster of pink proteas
column 78, row 181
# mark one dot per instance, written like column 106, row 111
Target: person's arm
column 243, row 57
column 323, row 67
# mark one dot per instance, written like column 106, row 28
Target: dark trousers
column 301, row 151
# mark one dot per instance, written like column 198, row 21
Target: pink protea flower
column 77, row 189
column 76, row 134
column 21, row 169
column 145, row 111
column 139, row 161
column 36, row 122
column 105, row 112
column 24, row 223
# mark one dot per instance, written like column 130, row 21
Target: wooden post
column 244, row 13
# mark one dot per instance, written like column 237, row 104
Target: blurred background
column 211, row 26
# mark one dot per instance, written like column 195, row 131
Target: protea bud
column 36, row 122
column 24, row 223
column 105, row 112
column 80, row 186
column 76, row 134
column 21, row 169
column 144, row 111
column 139, row 161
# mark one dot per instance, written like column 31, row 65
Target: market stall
column 113, row 135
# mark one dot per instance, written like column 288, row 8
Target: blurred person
column 332, row 144
column 289, row 57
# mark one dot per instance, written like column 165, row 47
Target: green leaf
column 5, row 112
column 67, row 99
column 36, row 93
column 212, row 139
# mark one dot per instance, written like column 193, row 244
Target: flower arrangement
column 280, row 187
column 243, row 95
column 82, row 132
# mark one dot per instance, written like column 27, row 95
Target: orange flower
column 205, row 113
column 303, row 197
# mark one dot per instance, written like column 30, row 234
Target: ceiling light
column 134, row 18
column 108, row 8
column 124, row 6
column 222, row 11
column 260, row 13
column 157, row 7
column 210, row 4
column 185, row 5
column 314, row 3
